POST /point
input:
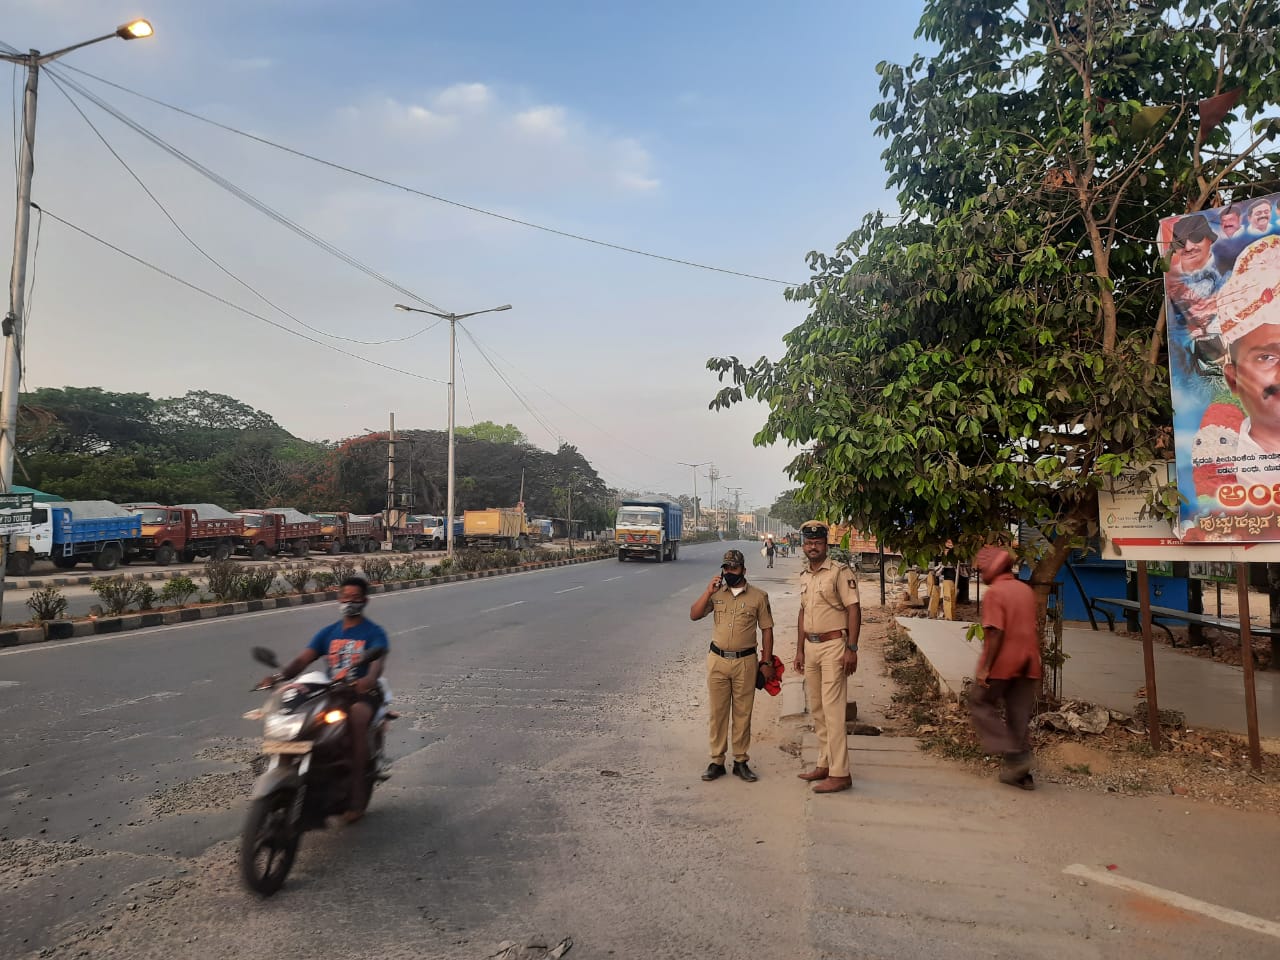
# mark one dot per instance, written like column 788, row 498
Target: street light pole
column 695, row 467
column 453, row 319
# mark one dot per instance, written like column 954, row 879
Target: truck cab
column 649, row 529
column 26, row 548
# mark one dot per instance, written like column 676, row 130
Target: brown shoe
column 817, row 773
column 833, row 785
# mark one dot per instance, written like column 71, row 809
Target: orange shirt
column 1009, row 605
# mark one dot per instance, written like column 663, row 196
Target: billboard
column 1222, row 294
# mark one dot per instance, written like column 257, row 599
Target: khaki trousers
column 730, row 684
column 827, row 691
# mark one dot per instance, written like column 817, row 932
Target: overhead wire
column 205, row 253
column 373, row 178
column 466, row 391
column 228, row 303
column 240, row 193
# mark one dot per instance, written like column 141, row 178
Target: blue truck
column 648, row 529
column 96, row 531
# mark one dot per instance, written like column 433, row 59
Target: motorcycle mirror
column 371, row 656
column 265, row 656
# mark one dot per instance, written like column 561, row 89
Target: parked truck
column 348, row 531
column 648, row 528
column 277, row 530
column 494, row 528
column 185, row 532
column 71, row 531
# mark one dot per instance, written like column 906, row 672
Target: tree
column 790, row 511
column 996, row 354
column 488, row 430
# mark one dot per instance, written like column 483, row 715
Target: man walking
column 770, row 548
column 1008, row 669
column 740, row 609
column 826, row 653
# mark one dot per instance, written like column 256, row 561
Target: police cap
column 734, row 558
column 814, row 530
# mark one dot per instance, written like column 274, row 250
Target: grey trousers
column 1010, row 733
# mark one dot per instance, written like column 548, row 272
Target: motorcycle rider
column 342, row 644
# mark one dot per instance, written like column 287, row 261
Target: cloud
column 543, row 121
column 463, row 96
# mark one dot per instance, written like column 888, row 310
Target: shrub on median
column 47, row 603
column 297, row 576
column 178, row 591
column 377, row 569
column 120, row 595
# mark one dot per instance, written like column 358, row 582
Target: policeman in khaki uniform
column 826, row 653
column 740, row 609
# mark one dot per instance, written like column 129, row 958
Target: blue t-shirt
column 342, row 646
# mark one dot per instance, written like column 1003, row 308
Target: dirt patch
column 209, row 791
column 1201, row 765
column 25, row 859
column 1154, row 910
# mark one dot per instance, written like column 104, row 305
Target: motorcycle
column 307, row 775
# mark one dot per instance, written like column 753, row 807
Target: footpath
column 924, row 858
column 1106, row 668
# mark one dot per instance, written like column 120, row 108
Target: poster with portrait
column 1223, row 308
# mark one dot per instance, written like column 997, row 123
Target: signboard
column 1130, row 530
column 15, row 513
column 1222, row 294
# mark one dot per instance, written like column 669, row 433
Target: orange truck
column 184, row 532
column 348, row 531
column 277, row 530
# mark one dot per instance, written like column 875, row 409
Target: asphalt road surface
column 539, row 790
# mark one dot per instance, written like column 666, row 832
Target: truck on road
column 277, row 530
column 71, row 531
column 649, row 529
column 185, row 532
column 348, row 531
column 495, row 528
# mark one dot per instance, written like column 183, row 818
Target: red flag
column 1214, row 110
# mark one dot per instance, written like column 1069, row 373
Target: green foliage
column 177, row 591
column 377, row 569
column 490, row 431
column 993, row 355
column 223, row 577
column 297, row 576
column 47, row 603
column 342, row 569
column 146, row 596
column 254, row 583
column 411, row 570
column 791, row 510
column 120, row 594
column 324, row 579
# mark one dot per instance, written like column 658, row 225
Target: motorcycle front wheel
column 269, row 843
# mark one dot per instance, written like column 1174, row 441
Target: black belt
column 733, row 654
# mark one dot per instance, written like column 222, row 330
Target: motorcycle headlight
column 283, row 726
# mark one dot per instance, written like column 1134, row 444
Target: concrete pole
column 453, row 355
column 389, row 520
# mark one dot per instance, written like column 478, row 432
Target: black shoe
column 715, row 771
column 740, row 769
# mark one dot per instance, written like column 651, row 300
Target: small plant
column 117, row 594
column 324, row 579
column 435, row 570
column 224, row 579
column 411, row 570
column 1078, row 768
column 446, row 565
column 254, row 584
column 146, row 596
column 297, row 577
column 377, row 569
column 47, row 603
column 178, row 591
column 342, row 569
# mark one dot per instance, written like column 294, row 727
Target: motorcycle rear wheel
column 269, row 843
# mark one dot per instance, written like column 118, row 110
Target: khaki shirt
column 736, row 618
column 826, row 595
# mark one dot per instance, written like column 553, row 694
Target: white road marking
column 503, row 607
column 611, row 579
column 162, row 695
column 570, row 589
column 1182, row 902
column 401, row 633
column 9, row 683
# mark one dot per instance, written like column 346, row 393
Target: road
column 546, row 786
column 123, row 768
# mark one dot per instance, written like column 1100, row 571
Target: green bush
column 324, row 579
column 118, row 595
column 377, row 569
column 342, row 569
column 411, row 570
column 297, row 576
column 224, row 579
column 435, row 570
column 178, row 591
column 254, row 584
column 147, row 596
column 47, row 603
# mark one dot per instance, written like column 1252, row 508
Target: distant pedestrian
column 740, row 609
column 1008, row 669
column 770, row 548
column 826, row 653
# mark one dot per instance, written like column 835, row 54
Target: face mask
column 352, row 609
column 732, row 579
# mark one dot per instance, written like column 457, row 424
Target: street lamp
column 13, row 320
column 695, row 467
column 453, row 319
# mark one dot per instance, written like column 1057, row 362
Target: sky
column 732, row 134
